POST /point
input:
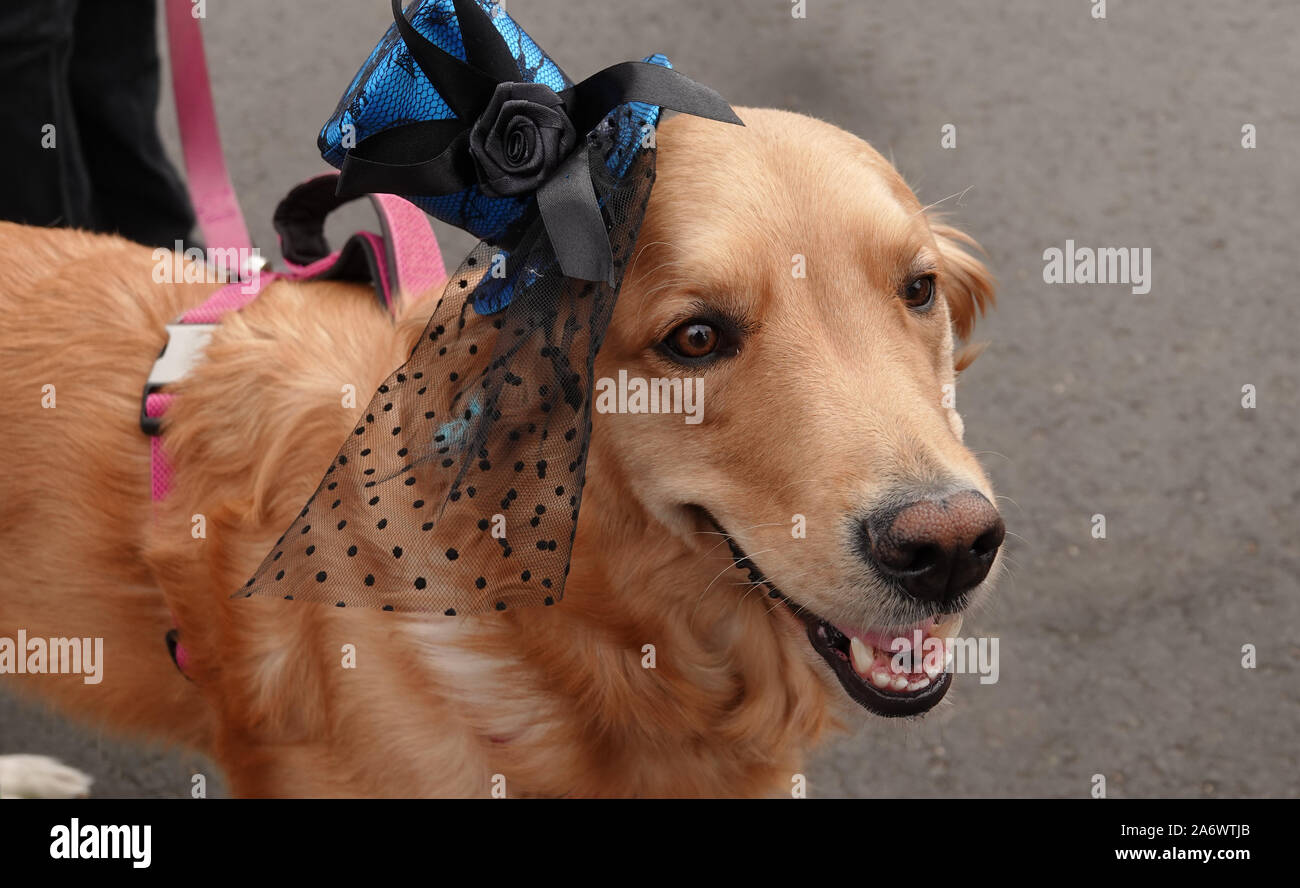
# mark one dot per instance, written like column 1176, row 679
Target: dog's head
column 788, row 266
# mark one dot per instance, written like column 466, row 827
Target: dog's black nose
column 936, row 549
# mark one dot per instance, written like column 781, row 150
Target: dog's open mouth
column 884, row 670
column 881, row 669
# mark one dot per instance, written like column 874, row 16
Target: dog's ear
column 969, row 285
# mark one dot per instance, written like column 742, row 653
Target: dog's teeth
column 948, row 657
column 899, row 683
column 948, row 627
column 863, row 655
column 880, row 678
column 919, row 684
column 932, row 669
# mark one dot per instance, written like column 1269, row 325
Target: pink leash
column 215, row 204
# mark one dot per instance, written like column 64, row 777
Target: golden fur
column 835, row 394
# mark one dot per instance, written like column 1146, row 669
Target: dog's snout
column 936, row 549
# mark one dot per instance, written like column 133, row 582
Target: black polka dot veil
column 458, row 490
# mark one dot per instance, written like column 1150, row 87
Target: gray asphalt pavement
column 1120, row 656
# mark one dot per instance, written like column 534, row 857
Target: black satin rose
column 519, row 140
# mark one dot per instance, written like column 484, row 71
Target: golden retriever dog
column 735, row 583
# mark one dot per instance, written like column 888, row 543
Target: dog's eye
column 707, row 337
column 919, row 293
column 693, row 340
column 697, row 342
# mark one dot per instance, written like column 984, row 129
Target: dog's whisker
column 1008, row 499
column 638, row 275
column 641, row 251
column 725, row 538
column 734, row 565
column 711, row 550
column 795, row 578
column 730, row 536
column 798, row 610
column 959, row 195
column 674, row 283
column 764, row 582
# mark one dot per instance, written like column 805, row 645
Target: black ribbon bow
column 512, row 138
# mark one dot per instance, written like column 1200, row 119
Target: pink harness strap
column 320, row 266
column 156, row 405
column 384, row 284
column 231, row 297
column 417, row 259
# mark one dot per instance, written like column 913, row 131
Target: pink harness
column 402, row 258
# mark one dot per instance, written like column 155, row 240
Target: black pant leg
column 115, row 86
column 42, row 185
